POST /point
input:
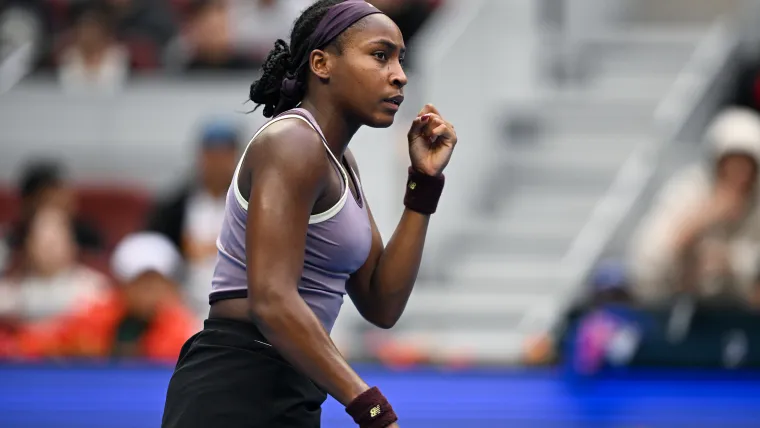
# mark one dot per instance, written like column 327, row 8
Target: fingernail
column 425, row 117
column 433, row 138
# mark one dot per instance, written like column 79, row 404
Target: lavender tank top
column 338, row 242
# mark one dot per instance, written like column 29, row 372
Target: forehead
column 737, row 157
column 373, row 27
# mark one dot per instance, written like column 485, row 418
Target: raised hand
column 431, row 141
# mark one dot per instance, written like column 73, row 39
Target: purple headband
column 338, row 18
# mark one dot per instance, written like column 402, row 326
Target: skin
column 289, row 177
column 216, row 168
column 736, row 176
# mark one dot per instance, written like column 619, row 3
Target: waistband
column 235, row 333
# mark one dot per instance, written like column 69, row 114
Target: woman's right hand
column 727, row 205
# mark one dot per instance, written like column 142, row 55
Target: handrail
column 15, row 66
column 671, row 116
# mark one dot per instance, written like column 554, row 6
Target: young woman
column 298, row 233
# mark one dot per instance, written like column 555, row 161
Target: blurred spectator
column 93, row 59
column 256, row 24
column 409, row 15
column 703, row 232
column 43, row 185
column 608, row 285
column 192, row 218
column 5, row 257
column 206, row 42
column 141, row 318
column 49, row 281
column 21, row 40
column 148, row 20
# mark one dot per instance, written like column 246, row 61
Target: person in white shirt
column 192, row 218
column 50, row 281
column 702, row 234
column 256, row 24
column 94, row 61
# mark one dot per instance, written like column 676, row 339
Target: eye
column 380, row 55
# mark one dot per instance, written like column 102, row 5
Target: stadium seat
column 8, row 206
column 115, row 211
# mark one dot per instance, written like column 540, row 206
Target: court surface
column 124, row 396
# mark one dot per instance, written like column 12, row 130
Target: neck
column 338, row 129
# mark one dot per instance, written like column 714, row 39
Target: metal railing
column 692, row 98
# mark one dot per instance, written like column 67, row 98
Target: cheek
column 363, row 77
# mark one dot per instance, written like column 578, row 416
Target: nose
column 398, row 77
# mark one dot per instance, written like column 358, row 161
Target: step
column 600, row 119
column 652, row 38
column 511, row 283
column 672, row 12
column 501, row 228
column 544, row 204
column 642, row 62
column 630, row 85
column 500, row 345
column 521, row 244
column 616, row 88
column 463, row 306
column 573, row 155
column 564, row 177
column 503, row 246
column 488, row 268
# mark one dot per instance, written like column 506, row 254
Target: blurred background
column 595, row 261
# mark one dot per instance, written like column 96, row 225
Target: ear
column 320, row 63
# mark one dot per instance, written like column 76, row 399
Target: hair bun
column 266, row 90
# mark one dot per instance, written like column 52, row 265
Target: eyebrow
column 389, row 44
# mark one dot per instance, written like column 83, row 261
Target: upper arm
column 287, row 164
column 675, row 202
column 652, row 253
column 363, row 276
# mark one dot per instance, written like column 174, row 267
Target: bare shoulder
column 290, row 146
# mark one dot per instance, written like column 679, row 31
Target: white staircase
column 508, row 273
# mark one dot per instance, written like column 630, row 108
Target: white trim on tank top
column 313, row 219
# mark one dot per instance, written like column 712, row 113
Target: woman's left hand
column 431, row 141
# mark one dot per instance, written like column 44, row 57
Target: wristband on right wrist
column 371, row 410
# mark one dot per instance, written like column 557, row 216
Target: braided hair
column 281, row 61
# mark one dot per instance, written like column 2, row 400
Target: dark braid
column 280, row 61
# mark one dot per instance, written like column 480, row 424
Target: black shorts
column 228, row 377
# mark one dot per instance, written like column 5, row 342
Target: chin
column 382, row 120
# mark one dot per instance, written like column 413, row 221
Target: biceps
column 275, row 236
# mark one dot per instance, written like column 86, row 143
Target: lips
column 397, row 100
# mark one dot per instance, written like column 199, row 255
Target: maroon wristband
column 423, row 191
column 371, row 410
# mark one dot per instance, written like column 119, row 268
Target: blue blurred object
column 220, row 133
column 609, row 275
column 606, row 336
column 132, row 397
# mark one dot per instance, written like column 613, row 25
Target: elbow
column 385, row 325
column 377, row 314
column 380, row 312
column 264, row 303
column 386, row 322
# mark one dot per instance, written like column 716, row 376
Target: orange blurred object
column 91, row 333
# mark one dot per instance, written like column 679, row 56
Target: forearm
column 293, row 329
column 396, row 271
column 688, row 232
